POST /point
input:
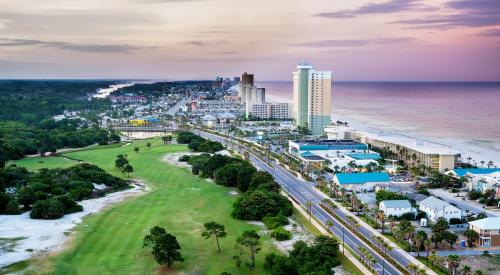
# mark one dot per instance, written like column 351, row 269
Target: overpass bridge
column 143, row 132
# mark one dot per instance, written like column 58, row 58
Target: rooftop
column 491, row 223
column 310, row 156
column 396, row 203
column 435, row 203
column 330, row 144
column 476, row 171
column 374, row 156
column 423, row 146
column 360, row 178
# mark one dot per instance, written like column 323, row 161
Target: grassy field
column 35, row 163
column 111, row 241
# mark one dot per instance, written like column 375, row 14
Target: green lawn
column 35, row 163
column 111, row 242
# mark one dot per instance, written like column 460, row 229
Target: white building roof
column 396, row 203
column 492, row 223
column 424, row 146
column 208, row 118
column 435, row 203
column 227, row 116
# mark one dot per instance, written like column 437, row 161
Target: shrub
column 255, row 205
column 275, row 222
column 281, row 234
column 474, row 195
column 184, row 158
column 47, row 209
column 455, row 221
column 12, row 207
column 408, row 216
column 69, row 205
column 80, row 193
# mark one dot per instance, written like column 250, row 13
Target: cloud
column 392, row 6
column 354, row 42
column 194, row 43
column 463, row 13
column 87, row 48
column 492, row 32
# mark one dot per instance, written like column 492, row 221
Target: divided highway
column 303, row 192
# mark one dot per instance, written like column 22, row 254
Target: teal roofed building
column 357, row 156
column 460, row 172
column 361, row 181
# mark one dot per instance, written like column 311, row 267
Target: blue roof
column 374, row 156
column 360, row 178
column 307, row 154
column 462, row 171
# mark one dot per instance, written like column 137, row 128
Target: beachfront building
column 312, row 91
column 396, row 208
column 488, row 230
column 209, row 121
column 412, row 151
column 361, row 181
column 436, row 208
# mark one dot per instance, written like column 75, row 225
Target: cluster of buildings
column 479, row 179
column 128, row 98
column 254, row 100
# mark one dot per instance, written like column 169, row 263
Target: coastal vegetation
column 52, row 193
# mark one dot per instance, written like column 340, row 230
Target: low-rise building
column 360, row 181
column 488, row 230
column 461, row 172
column 436, row 208
column 396, row 208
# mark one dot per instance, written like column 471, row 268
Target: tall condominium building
column 312, row 93
column 253, row 95
column 247, row 78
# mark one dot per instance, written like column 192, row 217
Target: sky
column 387, row 40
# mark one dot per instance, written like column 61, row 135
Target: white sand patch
column 173, row 158
column 233, row 193
column 99, row 186
column 225, row 153
column 43, row 236
column 299, row 233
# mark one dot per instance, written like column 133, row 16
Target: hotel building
column 312, row 92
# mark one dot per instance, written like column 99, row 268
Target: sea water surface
column 463, row 115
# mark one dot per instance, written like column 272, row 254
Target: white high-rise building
column 312, row 93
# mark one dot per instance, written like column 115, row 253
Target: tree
column 136, row 149
column 128, row 169
column 165, row 248
column 420, row 237
column 433, row 257
column 166, row 139
column 427, row 245
column 251, row 240
column 381, row 218
column 450, row 237
column 216, row 230
column 120, row 162
column 472, row 236
column 453, row 263
column 466, row 270
column 148, row 145
column 441, row 225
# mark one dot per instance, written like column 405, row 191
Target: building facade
column 396, row 208
column 488, row 230
column 436, row 208
column 312, row 91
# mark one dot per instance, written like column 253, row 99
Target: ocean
column 461, row 115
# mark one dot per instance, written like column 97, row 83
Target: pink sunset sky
column 200, row 39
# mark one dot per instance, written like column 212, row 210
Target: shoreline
column 476, row 149
column 32, row 237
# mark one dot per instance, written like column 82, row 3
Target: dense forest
column 26, row 124
column 52, row 193
column 29, row 101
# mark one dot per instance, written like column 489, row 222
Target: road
column 303, row 192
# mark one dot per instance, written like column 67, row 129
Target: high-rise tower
column 312, row 93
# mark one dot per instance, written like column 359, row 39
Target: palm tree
column 453, row 263
column 482, row 163
column 412, row 268
column 420, row 237
column 490, row 164
column 392, row 223
column 427, row 245
column 469, row 159
column 381, row 218
column 433, row 257
column 466, row 270
column 329, row 225
column 309, row 209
